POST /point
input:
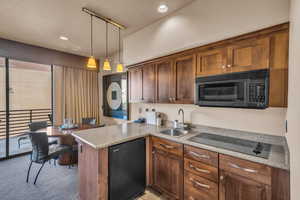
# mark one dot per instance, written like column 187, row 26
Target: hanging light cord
column 119, row 45
column 106, row 40
column 92, row 50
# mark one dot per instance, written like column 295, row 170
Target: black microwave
column 242, row 90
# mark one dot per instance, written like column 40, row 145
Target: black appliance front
column 127, row 170
column 243, row 89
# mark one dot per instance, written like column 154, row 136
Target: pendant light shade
column 120, row 67
column 106, row 64
column 92, row 62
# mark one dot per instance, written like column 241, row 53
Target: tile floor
column 150, row 195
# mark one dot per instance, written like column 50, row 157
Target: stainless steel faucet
column 181, row 111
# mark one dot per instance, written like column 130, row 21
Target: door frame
column 7, row 105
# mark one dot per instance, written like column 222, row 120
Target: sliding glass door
column 3, row 140
column 27, row 98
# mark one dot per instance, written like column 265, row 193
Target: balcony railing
column 19, row 120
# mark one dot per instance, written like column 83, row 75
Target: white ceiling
column 41, row 22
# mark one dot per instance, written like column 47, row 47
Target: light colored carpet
column 54, row 182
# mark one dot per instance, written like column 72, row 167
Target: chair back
column 40, row 147
column 50, row 118
column 89, row 121
column 34, row 126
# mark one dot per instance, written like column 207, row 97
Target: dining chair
column 35, row 126
column 42, row 152
column 89, row 121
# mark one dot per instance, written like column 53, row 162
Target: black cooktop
column 249, row 147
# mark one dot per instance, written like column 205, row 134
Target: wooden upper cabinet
column 135, row 77
column 279, row 70
column 250, row 54
column 212, row 62
column 235, row 187
column 164, row 86
column 184, row 76
column 148, row 83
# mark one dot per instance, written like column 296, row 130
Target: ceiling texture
column 42, row 22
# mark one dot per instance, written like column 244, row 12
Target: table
column 66, row 138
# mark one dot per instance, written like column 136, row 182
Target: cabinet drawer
column 197, row 188
column 204, row 156
column 255, row 171
column 168, row 146
column 201, row 169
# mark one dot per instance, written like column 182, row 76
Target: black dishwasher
column 127, row 170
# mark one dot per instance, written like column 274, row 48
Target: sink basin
column 174, row 132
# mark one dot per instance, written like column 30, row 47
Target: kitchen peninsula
column 195, row 170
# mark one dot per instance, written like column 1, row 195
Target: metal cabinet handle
column 241, row 168
column 191, row 198
column 229, row 66
column 199, row 155
column 166, row 146
column 199, row 170
column 223, row 66
column 199, row 184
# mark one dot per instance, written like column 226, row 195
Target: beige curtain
column 80, row 94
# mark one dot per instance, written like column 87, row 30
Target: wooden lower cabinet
column 167, row 174
column 235, row 187
column 93, row 172
column 184, row 172
column 199, row 188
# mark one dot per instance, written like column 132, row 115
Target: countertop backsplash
column 269, row 121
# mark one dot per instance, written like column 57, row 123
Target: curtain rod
column 108, row 20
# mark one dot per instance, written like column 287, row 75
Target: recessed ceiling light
column 63, row 38
column 162, row 8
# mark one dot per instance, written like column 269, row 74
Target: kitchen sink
column 174, row 132
column 249, row 147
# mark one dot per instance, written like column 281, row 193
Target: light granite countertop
column 116, row 134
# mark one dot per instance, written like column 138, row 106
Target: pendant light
column 120, row 65
column 92, row 62
column 106, row 64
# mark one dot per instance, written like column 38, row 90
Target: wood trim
column 259, row 33
column 149, row 168
column 93, row 172
column 280, row 184
column 103, row 174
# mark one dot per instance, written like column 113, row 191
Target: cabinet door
column 135, row 85
column 167, row 174
column 251, row 54
column 164, row 82
column 184, row 75
column 278, row 90
column 212, row 62
column 148, row 83
column 234, row 187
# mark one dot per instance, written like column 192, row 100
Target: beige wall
column 293, row 114
column 269, row 121
column 202, row 22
